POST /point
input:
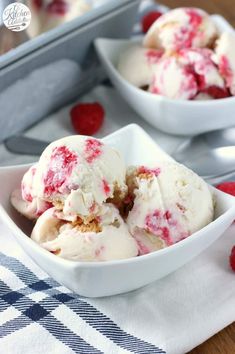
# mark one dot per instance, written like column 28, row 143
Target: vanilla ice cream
column 104, row 239
column 173, row 80
column 47, row 14
column 23, row 200
column 170, row 202
column 182, row 75
column 77, row 174
column 88, row 207
column 199, row 62
column 177, row 59
column 181, row 28
column 136, row 64
column 225, row 58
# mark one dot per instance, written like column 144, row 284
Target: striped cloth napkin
column 173, row 315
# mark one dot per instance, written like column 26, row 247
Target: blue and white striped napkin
column 173, row 315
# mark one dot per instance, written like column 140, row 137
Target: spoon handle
column 24, row 145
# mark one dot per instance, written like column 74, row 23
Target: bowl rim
column 16, row 230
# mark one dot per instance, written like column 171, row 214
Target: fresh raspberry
column 232, row 258
column 57, row 7
column 37, row 3
column 149, row 19
column 87, row 118
column 227, row 187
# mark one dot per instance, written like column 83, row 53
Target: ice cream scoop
column 23, row 200
column 181, row 28
column 173, row 80
column 199, row 62
column 78, row 174
column 137, row 64
column 225, row 58
column 193, row 71
column 47, row 14
column 106, row 238
column 169, row 203
column 178, row 60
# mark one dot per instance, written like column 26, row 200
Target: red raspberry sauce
column 60, row 168
column 154, row 224
column 25, row 190
column 155, row 171
column 25, row 194
column 153, row 55
column 225, row 70
column 106, row 187
column 187, row 35
column 93, row 150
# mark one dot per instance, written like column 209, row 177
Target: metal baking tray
column 107, row 7
column 57, row 66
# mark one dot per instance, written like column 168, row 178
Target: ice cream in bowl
column 48, row 14
column 180, row 75
column 108, row 216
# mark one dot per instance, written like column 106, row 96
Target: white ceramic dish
column 172, row 116
column 94, row 279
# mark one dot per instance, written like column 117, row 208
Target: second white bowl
column 171, row 116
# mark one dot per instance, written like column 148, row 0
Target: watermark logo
column 16, row 17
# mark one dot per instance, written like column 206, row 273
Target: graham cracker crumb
column 145, row 175
column 92, row 226
column 56, row 252
column 58, row 204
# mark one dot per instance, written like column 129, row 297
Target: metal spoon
column 211, row 155
column 214, row 165
column 202, row 142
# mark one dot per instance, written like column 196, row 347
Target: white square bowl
column 96, row 279
column 179, row 117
